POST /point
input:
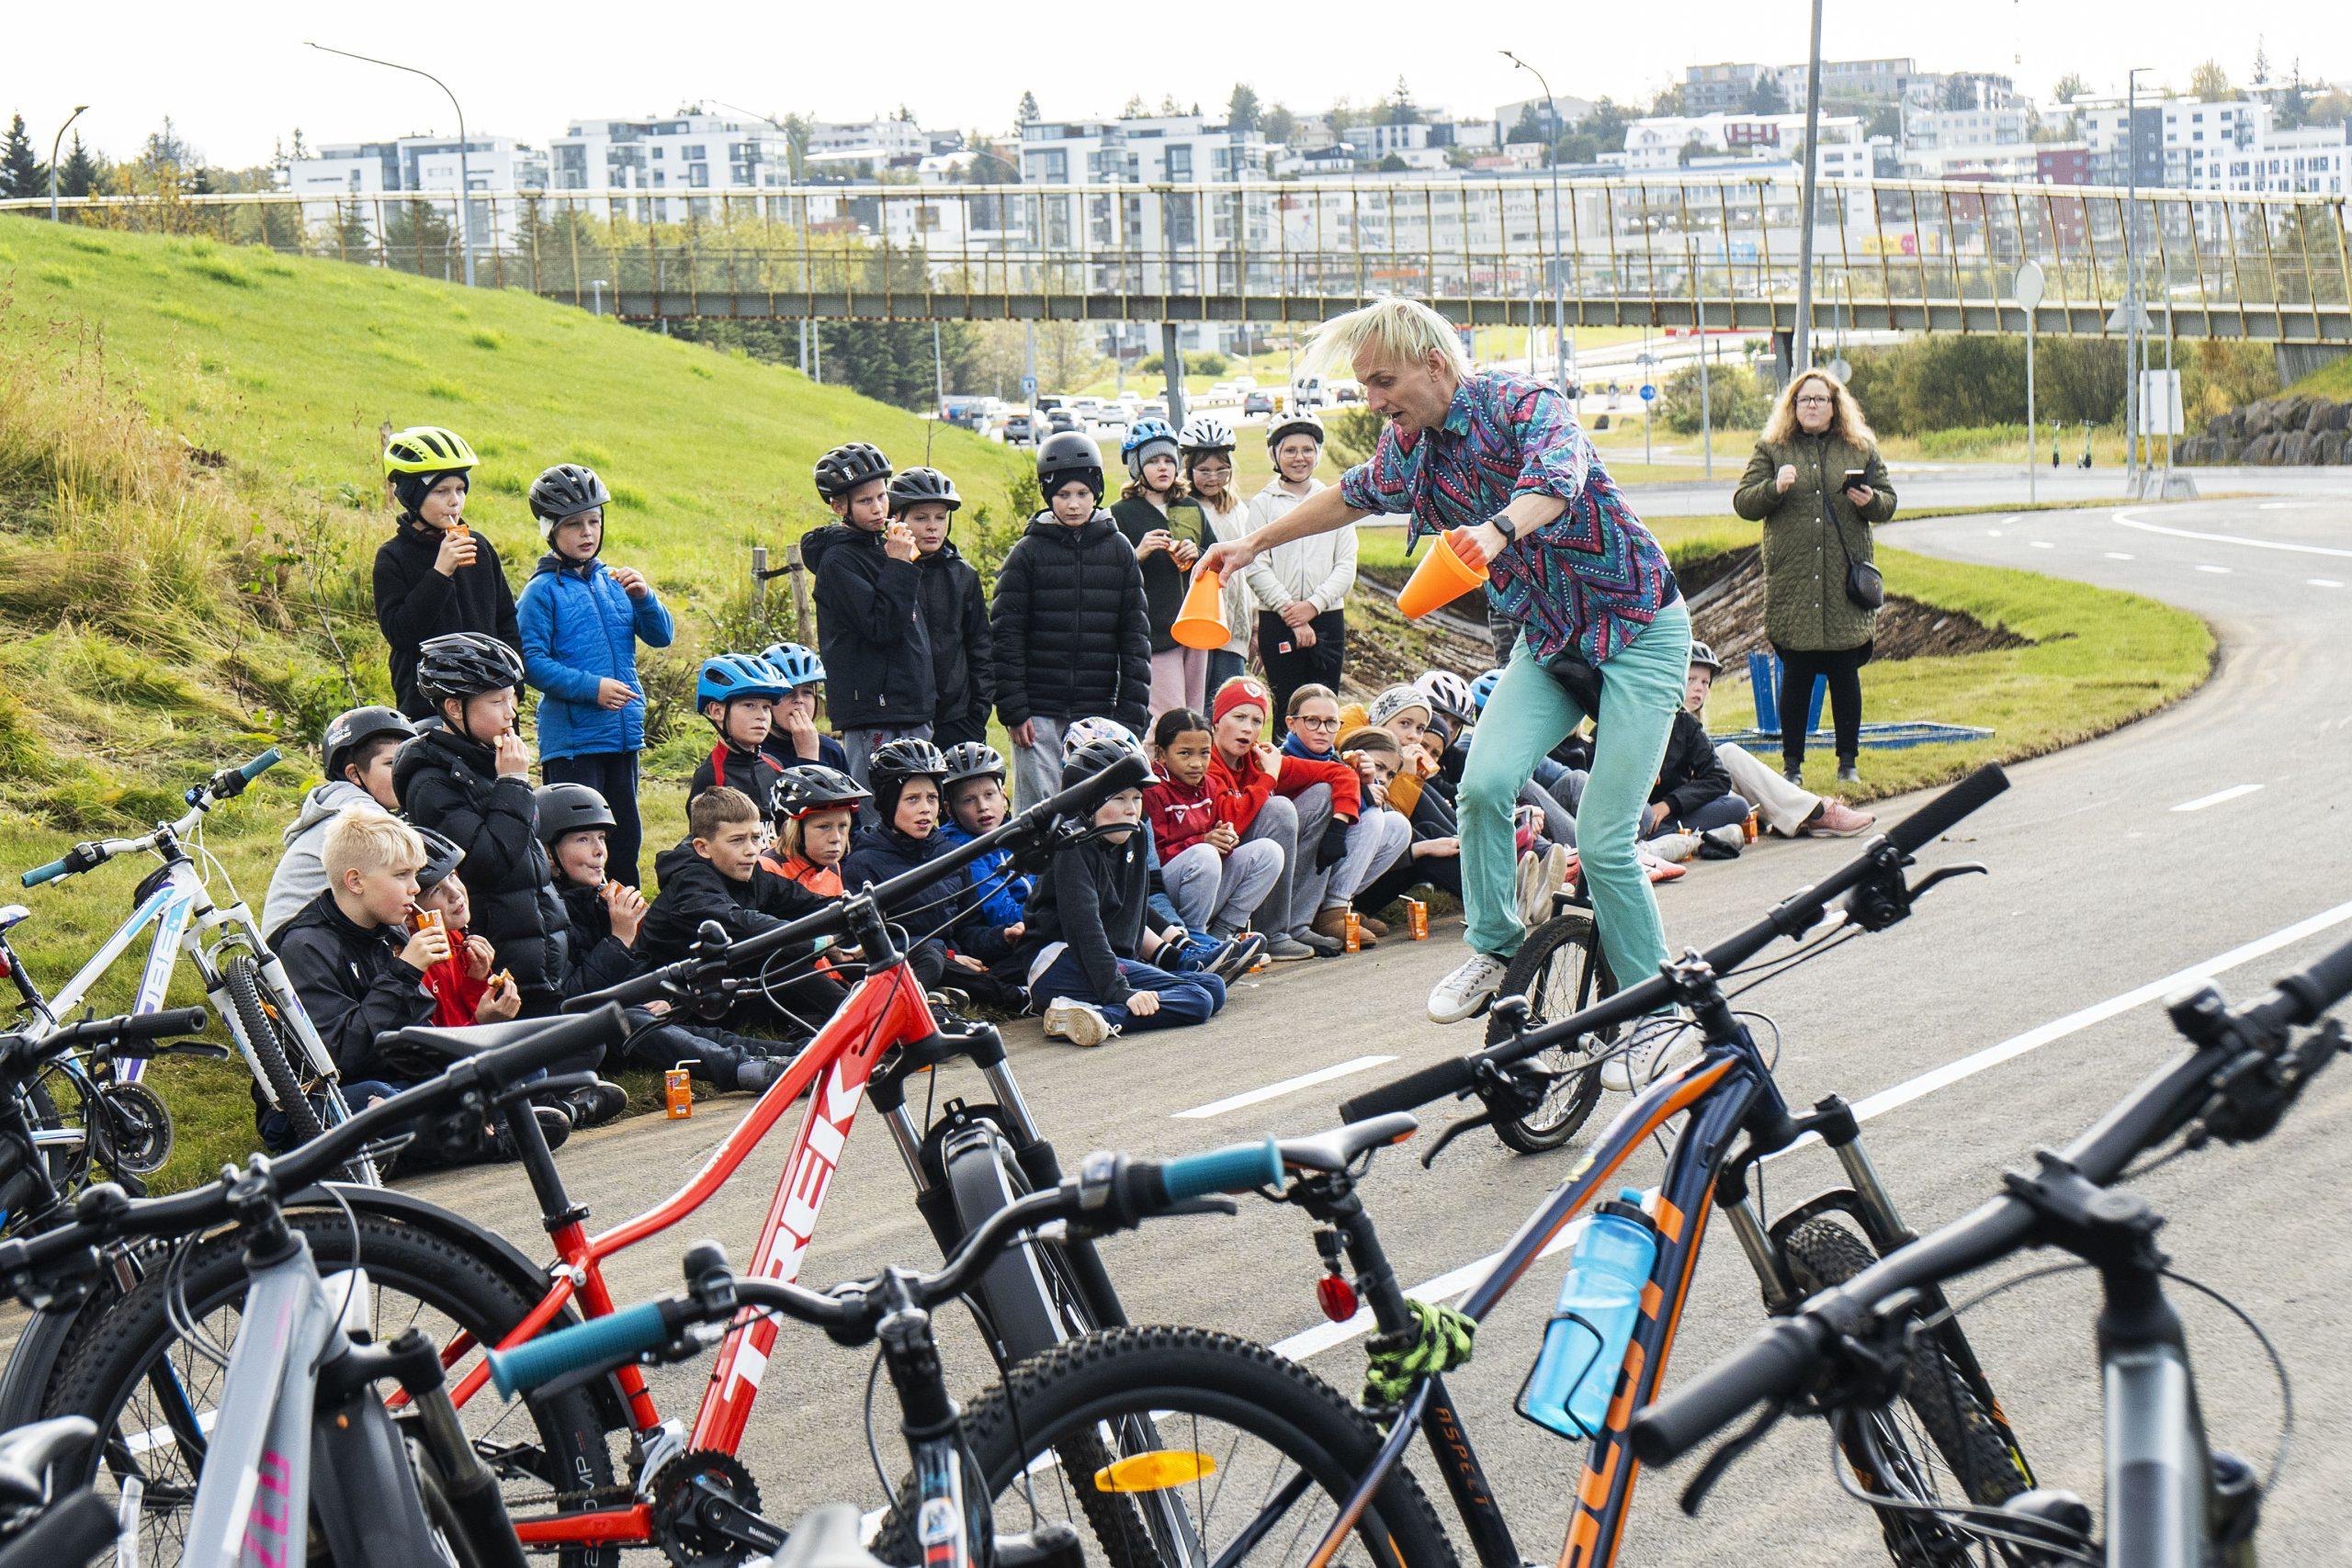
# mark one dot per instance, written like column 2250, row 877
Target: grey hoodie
column 301, row 873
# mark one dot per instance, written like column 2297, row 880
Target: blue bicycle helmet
column 800, row 666
column 1142, row 437
column 733, row 675
column 1484, row 687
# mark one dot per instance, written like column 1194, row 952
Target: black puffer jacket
column 598, row 958
column 1690, row 775
column 963, row 655
column 1092, row 897
column 353, row 985
column 692, row 891
column 451, row 785
column 413, row 602
column 869, row 631
column 1073, row 636
column 946, row 906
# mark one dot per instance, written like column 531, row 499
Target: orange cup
column 1201, row 622
column 1440, row 579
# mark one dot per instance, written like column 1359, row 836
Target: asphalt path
column 2005, row 1015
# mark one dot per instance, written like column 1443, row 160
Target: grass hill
column 190, row 498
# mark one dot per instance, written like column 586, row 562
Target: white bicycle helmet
column 1207, row 432
column 1086, row 730
column 1447, row 692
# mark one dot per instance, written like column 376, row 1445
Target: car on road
column 1061, row 420
column 1257, row 402
column 1021, row 428
column 1155, row 409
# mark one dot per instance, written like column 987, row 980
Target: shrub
column 1738, row 398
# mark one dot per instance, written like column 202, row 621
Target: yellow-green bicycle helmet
column 427, row 449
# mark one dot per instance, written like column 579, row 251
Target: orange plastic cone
column 1440, row 579
column 1201, row 622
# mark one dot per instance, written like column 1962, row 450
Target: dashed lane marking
column 2233, row 793
column 1288, row 1085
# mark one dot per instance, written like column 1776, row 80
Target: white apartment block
column 417, row 164
column 1157, row 150
column 1941, row 130
column 1654, row 145
column 673, row 165
column 2187, row 140
column 2315, row 160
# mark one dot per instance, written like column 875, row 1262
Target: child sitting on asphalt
column 1212, row 879
column 1087, row 945
column 1290, row 800
column 468, row 987
column 435, row 576
column 955, row 610
column 736, row 693
column 792, row 736
column 1375, row 841
column 870, row 628
column 715, row 875
column 955, row 940
column 581, row 620
column 361, row 974
column 977, row 805
column 814, row 810
column 358, row 750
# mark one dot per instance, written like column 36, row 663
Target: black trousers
column 955, row 732
column 1289, row 666
column 612, row 775
column 1844, row 667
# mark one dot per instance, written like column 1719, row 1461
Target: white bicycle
column 243, row 979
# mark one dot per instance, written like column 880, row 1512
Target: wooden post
column 804, row 619
column 759, row 580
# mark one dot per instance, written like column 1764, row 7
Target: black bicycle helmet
column 1069, row 456
column 565, row 491
column 349, row 731
column 571, row 809
column 845, row 468
column 917, row 485
column 441, row 857
column 1093, row 757
column 464, row 665
column 973, row 760
column 812, row 786
column 894, row 764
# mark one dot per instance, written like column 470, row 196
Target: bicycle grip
column 49, row 873
column 1945, row 811
column 1238, row 1168
column 2320, row 984
column 259, row 765
column 1775, row 1365
column 1410, row 1092
column 619, row 1337
column 74, row 1530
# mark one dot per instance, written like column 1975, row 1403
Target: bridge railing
column 1655, row 250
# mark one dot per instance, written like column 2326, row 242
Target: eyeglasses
column 1305, row 722
column 1212, row 472
column 1816, row 400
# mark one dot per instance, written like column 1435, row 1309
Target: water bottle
column 1601, row 1301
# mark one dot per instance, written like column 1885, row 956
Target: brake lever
column 1735, row 1448
column 1946, row 873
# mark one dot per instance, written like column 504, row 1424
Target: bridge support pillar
column 2297, row 360
column 1171, row 360
column 1783, row 345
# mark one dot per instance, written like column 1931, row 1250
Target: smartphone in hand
column 1855, row 479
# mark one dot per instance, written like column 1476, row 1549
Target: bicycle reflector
column 1155, row 1472
column 1336, row 1297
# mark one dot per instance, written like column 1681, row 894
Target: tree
column 1241, row 109
column 1766, row 98
column 2069, row 87
column 81, row 174
column 1668, row 100
column 1169, row 105
column 1279, row 124
column 1394, row 165
column 1694, row 148
column 20, row 171
column 2261, row 62
column 1027, row 113
column 1402, row 110
column 165, row 153
column 1885, row 119
column 1528, row 127
column 1133, row 109
column 2331, row 107
column 1606, row 125
column 2208, row 82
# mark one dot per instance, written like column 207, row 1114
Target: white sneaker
column 1528, row 891
column 1637, row 1065
column 1731, row 836
column 1673, row 848
column 1468, row 988
column 1081, row 1024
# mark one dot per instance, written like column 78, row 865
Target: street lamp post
column 54, row 142
column 464, row 183
column 1800, row 341
column 2134, row 349
column 1559, row 285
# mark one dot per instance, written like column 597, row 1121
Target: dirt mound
column 1725, row 593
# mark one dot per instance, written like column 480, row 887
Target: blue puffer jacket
column 579, row 628
column 1006, row 895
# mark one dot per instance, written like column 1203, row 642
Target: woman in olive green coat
column 1817, row 528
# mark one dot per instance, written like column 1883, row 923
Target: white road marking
column 2279, row 505
column 2043, row 545
column 1994, row 532
column 2119, row 555
column 1288, row 1085
column 2127, row 520
column 1454, row 1282
column 2202, row 801
column 2323, row 583
column 2216, row 570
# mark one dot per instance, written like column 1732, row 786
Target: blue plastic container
column 1601, row 1301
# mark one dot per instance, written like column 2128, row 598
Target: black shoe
column 1235, row 957
column 755, row 1075
column 594, row 1106
column 554, row 1126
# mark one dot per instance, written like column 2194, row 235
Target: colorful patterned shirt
column 1593, row 577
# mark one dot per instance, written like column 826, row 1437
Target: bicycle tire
column 127, row 1349
column 67, row 1164
column 1161, row 1375
column 1823, row 1254
column 241, row 978
column 1533, row 969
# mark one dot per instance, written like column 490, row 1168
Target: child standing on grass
column 738, row 692
column 435, row 576
column 358, row 749
column 1087, row 945
column 792, row 736
column 1168, row 531
column 870, row 631
column 582, row 621
column 955, row 610
column 1072, row 633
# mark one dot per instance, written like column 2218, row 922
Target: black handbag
column 1864, row 586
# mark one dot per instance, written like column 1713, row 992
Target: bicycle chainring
column 685, row 1537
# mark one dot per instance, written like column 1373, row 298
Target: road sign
column 2119, row 322
column 1028, row 386
column 1839, row 369
column 2160, row 402
column 2027, row 289
column 1649, row 392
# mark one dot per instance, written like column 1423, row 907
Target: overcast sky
column 235, row 77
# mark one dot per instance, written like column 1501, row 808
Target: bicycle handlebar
column 1791, row 917
column 103, row 1214
column 1110, row 1189
column 259, row 765
column 226, row 784
column 129, row 1026
column 1787, row 1355
column 1128, row 772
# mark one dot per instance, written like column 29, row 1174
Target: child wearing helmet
column 581, row 619
column 1291, row 801
column 870, row 631
column 814, row 809
column 1300, row 588
column 975, row 803
column 1168, row 529
column 434, row 575
column 1072, row 633
column 737, row 691
column 358, row 750
column 792, row 736
column 955, row 610
column 944, row 917
column 1206, row 447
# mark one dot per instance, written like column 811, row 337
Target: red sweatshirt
column 1182, row 815
column 1249, row 783
column 456, row 995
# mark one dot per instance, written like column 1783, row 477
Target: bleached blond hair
column 1400, row 331
column 368, row 838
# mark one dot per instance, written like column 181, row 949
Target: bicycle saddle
column 28, row 1452
column 826, row 1537
column 1336, row 1149
column 13, row 914
column 456, row 1044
